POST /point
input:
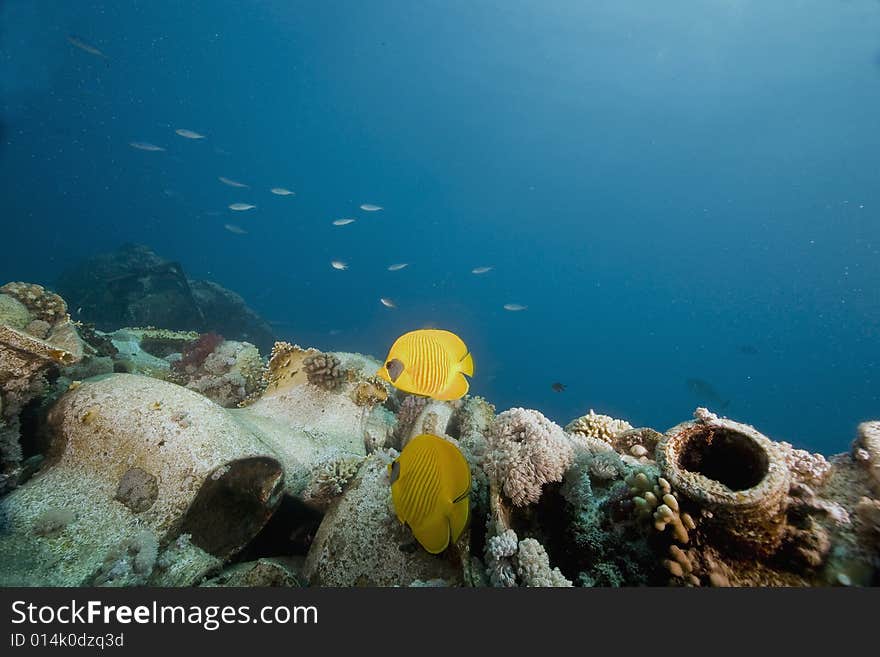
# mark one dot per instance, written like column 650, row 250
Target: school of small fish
column 240, row 207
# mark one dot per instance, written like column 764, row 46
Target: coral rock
column 735, row 475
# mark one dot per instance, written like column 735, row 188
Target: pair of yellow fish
column 430, row 480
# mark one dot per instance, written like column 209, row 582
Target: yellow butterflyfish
column 429, row 362
column 430, row 483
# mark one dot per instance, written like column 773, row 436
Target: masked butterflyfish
column 429, row 362
column 430, row 483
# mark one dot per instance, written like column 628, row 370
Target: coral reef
column 216, row 469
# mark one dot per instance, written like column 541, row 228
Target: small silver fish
column 232, row 228
column 145, row 146
column 343, row 222
column 398, row 266
column 85, row 47
column 388, row 303
column 369, row 207
column 232, row 183
column 480, row 270
column 189, row 134
column 241, row 207
column 338, row 264
column 280, row 191
column 514, row 307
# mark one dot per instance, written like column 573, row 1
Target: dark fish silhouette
column 558, row 387
column 704, row 391
column 748, row 349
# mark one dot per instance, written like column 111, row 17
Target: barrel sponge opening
column 728, row 457
column 233, row 504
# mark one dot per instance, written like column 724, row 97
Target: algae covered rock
column 362, row 543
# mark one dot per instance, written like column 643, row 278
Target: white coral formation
column 595, row 425
column 533, row 566
column 229, row 374
column 807, row 468
column 500, row 550
column 526, row 451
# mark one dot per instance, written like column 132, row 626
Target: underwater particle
column 85, row 47
column 481, row 270
column 281, row 191
column 232, row 228
column 514, row 307
column 338, row 264
column 232, row 183
column 398, row 266
column 189, row 134
column 241, row 207
column 137, row 490
column 388, row 303
column 343, row 222
column 430, row 485
column 429, row 362
column 52, row 522
column 145, row 146
column 369, row 207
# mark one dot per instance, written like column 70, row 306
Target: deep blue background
column 660, row 183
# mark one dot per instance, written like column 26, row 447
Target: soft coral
column 195, row 353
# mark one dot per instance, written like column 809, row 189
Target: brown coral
column 324, row 371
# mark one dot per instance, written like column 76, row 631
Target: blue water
column 660, row 183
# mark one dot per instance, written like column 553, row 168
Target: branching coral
column 595, row 425
column 324, row 371
column 526, row 451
